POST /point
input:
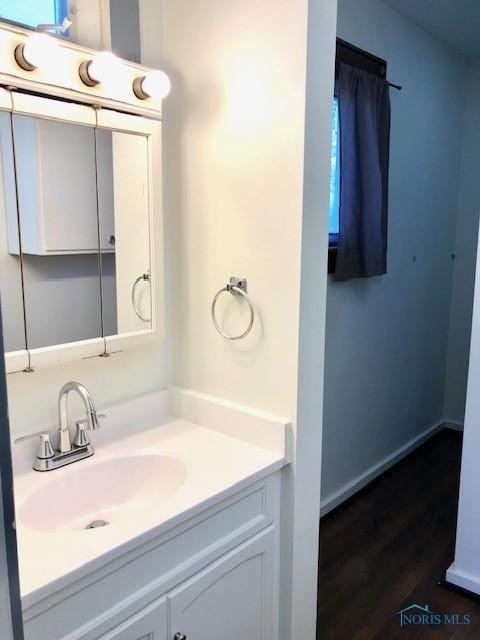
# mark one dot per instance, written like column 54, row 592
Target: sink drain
column 96, row 524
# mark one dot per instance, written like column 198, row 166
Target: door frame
column 11, row 621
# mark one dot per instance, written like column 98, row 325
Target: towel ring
column 145, row 277
column 236, row 286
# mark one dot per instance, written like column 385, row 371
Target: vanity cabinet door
column 232, row 598
column 148, row 624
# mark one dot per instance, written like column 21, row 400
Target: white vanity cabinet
column 148, row 624
column 232, row 598
column 212, row 576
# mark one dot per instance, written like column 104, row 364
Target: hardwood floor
column 389, row 546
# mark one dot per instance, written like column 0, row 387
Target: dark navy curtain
column 364, row 108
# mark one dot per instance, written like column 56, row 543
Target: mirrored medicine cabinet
column 80, row 261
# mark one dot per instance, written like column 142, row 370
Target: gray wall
column 10, row 275
column 465, row 250
column 125, row 29
column 386, row 343
column 62, row 298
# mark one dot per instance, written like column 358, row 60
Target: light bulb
column 100, row 68
column 39, row 50
column 156, row 84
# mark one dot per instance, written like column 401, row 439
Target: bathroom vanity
column 165, row 523
column 183, row 494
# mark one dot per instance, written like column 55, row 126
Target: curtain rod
column 366, row 54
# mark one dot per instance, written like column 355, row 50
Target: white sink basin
column 118, row 491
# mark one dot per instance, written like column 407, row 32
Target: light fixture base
column 20, row 59
column 138, row 89
column 85, row 77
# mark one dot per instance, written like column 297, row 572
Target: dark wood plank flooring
column 389, row 546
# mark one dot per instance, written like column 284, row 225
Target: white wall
column 234, row 155
column 387, row 336
column 465, row 250
column 121, row 376
column 465, row 571
column 308, row 441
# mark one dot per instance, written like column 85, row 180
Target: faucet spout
column 91, row 418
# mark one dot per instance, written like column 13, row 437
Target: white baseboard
column 463, row 580
column 349, row 489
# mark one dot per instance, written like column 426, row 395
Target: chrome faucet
column 68, row 451
column 91, row 423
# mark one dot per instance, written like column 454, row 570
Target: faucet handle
column 84, row 421
column 81, row 438
column 45, row 452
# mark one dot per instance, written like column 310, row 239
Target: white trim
column 333, row 500
column 5, row 100
column 231, row 419
column 16, row 361
column 126, row 123
column 157, row 244
column 123, row 341
column 69, row 352
column 152, row 129
column 462, row 579
column 28, row 105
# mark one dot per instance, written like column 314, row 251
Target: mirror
column 80, row 233
column 57, row 204
column 124, row 223
column 10, row 266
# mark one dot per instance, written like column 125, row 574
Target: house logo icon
column 415, row 614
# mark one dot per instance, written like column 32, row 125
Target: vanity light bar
column 40, row 50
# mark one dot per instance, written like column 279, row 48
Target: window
column 333, row 221
column 34, row 12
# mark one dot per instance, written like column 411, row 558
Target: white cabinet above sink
column 57, row 189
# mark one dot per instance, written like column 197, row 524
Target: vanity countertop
column 215, row 461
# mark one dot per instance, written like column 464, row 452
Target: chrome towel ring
column 145, row 277
column 236, row 286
